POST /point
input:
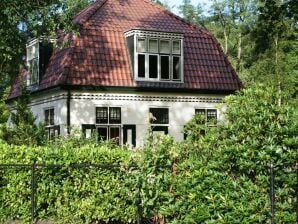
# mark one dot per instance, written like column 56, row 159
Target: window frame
column 109, row 125
column 208, row 123
column 159, row 38
column 47, row 121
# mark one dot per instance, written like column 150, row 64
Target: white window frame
column 108, row 125
column 156, row 35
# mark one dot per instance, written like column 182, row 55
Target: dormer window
column 156, row 56
column 39, row 51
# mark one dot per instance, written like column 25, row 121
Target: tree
column 24, row 130
column 222, row 177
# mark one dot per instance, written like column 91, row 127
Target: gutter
column 68, row 112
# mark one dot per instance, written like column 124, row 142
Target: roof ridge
column 177, row 17
column 84, row 15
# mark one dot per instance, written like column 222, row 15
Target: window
column 51, row 129
column 156, row 56
column 108, row 120
column 49, row 117
column 210, row 116
column 33, row 62
column 159, row 118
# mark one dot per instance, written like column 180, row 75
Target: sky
column 205, row 3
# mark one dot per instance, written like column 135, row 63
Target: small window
column 210, row 115
column 115, row 115
column 165, row 67
column 141, row 66
column 108, row 115
column 153, row 66
column 176, row 47
column 52, row 131
column 153, row 46
column 101, row 115
column 159, row 115
column 114, row 134
column 49, row 117
column 102, row 133
column 176, row 68
column 141, row 47
column 165, row 47
column 88, row 130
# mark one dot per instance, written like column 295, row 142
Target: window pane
column 153, row 66
column 141, row 66
column 176, row 68
column 153, row 46
column 46, row 117
column 101, row 115
column 102, row 133
column 164, row 67
column 33, row 71
column 115, row 134
column 32, row 51
column 200, row 112
column 159, row 115
column 165, row 47
column 141, row 47
column 211, row 116
column 115, row 115
column 52, row 115
column 176, row 47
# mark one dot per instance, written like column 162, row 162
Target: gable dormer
column 155, row 55
column 38, row 51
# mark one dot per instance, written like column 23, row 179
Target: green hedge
column 65, row 194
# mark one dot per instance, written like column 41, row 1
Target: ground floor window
column 209, row 115
column 52, row 131
column 109, row 132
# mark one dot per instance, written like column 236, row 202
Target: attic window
column 156, row 56
column 39, row 51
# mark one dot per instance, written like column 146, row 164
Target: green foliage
column 223, row 178
column 68, row 195
column 24, row 130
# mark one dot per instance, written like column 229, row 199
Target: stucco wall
column 134, row 109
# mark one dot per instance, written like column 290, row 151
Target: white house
column 133, row 66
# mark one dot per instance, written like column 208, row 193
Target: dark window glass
column 115, row 115
column 102, row 133
column 176, row 68
column 159, row 115
column 153, row 66
column 49, row 117
column 211, row 116
column 200, row 112
column 101, row 115
column 141, row 66
column 52, row 132
column 115, row 134
column 160, row 129
column 164, row 67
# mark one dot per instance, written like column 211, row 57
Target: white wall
column 58, row 102
column 135, row 109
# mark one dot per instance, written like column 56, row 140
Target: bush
column 66, row 194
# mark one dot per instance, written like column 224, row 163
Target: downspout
column 68, row 112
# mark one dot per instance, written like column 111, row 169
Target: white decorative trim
column 154, row 34
column 199, row 99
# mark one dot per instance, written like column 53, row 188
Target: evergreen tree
column 24, row 130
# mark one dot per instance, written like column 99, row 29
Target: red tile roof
column 99, row 57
